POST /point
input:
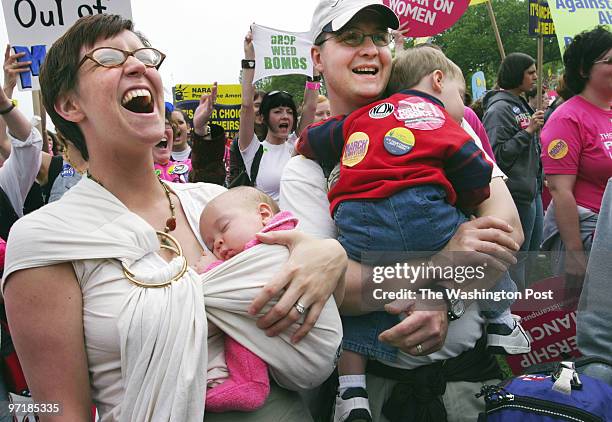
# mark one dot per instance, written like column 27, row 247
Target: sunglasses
column 354, row 38
column 604, row 61
column 272, row 93
column 114, row 57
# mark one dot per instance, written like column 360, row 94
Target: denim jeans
column 532, row 221
column 416, row 220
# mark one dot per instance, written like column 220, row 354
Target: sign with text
column 281, row 53
column 428, row 17
column 34, row 25
column 540, row 19
column 227, row 107
column 479, row 85
column 572, row 17
column 550, row 326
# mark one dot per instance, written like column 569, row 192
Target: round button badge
column 399, row 141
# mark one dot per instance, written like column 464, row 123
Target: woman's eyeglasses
column 115, row 57
column 604, row 61
column 354, row 38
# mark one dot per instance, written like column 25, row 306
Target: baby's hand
column 205, row 260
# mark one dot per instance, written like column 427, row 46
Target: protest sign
column 540, row 19
column 549, row 324
column 280, row 52
column 227, row 107
column 572, row 17
column 479, row 85
column 33, row 26
column 428, row 17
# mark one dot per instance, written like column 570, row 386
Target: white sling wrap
column 164, row 354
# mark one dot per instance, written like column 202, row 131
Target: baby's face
column 226, row 229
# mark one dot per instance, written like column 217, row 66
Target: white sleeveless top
column 146, row 347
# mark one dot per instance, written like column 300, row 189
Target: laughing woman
column 85, row 322
column 279, row 116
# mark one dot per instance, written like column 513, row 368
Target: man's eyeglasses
column 354, row 38
column 115, row 57
column 605, row 61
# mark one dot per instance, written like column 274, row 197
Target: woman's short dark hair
column 586, row 48
column 512, row 70
column 275, row 99
column 59, row 73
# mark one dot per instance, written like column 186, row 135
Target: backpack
column 242, row 177
column 550, row 392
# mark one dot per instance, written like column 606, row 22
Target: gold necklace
column 171, row 221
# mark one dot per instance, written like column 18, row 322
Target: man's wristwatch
column 247, row 64
column 456, row 306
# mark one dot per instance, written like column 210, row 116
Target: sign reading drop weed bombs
column 227, row 107
column 540, row 19
column 428, row 17
column 574, row 16
column 281, row 53
column 34, row 25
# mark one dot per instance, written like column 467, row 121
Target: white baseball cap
column 332, row 15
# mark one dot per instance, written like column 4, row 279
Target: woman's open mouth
column 138, row 101
column 163, row 144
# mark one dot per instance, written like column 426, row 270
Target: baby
column 237, row 378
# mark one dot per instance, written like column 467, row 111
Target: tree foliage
column 471, row 41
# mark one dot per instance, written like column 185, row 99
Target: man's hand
column 422, row 331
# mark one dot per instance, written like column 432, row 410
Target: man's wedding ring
column 300, row 308
column 419, row 348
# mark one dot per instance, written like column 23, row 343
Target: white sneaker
column 502, row 339
column 352, row 406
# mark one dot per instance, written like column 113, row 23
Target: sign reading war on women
column 574, row 16
column 33, row 26
column 428, row 17
column 280, row 52
column 540, row 19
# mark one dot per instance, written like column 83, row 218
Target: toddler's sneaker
column 505, row 340
column 352, row 406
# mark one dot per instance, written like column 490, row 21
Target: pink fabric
column 247, row 385
column 174, row 171
column 577, row 140
column 2, row 252
column 472, row 118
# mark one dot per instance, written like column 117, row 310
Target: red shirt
column 402, row 141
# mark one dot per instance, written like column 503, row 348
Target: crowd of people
column 152, row 296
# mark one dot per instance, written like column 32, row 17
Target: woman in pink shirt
column 577, row 152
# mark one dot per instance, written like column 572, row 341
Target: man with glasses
column 351, row 52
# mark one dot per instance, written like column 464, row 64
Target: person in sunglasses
column 577, row 153
column 279, row 114
column 105, row 308
column 356, row 69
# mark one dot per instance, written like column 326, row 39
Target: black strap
column 255, row 164
column 8, row 216
column 55, row 168
column 417, row 395
column 241, row 177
